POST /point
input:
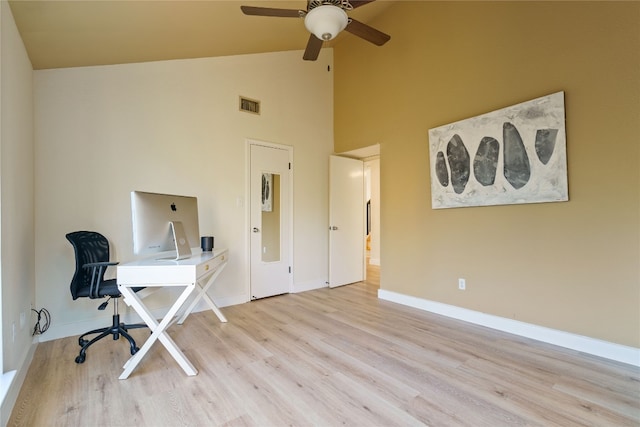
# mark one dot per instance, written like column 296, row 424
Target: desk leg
column 202, row 294
column 158, row 331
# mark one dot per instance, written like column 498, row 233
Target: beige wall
column 17, row 243
column 174, row 127
column 570, row 266
column 16, row 194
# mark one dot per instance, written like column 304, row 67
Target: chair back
column 88, row 246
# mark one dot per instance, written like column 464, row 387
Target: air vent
column 249, row 105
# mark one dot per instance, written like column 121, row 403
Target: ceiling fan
column 325, row 19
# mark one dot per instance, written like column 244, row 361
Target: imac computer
column 164, row 222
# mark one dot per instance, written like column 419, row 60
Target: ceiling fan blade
column 269, row 11
column 368, row 33
column 358, row 3
column 313, row 48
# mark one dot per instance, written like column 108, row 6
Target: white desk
column 189, row 273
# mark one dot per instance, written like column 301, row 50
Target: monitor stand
column 183, row 248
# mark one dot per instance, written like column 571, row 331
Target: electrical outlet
column 462, row 284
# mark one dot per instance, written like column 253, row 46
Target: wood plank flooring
column 329, row 357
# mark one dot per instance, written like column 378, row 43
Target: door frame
column 247, row 210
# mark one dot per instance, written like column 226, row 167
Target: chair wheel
column 80, row 359
column 134, row 350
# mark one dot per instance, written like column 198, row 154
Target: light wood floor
column 329, row 357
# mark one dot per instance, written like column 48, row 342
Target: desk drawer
column 211, row 265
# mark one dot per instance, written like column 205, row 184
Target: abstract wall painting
column 509, row 156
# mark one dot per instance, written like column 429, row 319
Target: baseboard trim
column 308, row 286
column 11, row 383
column 225, row 301
column 596, row 347
column 58, row 331
column 6, row 405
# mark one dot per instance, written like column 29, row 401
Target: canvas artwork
column 513, row 155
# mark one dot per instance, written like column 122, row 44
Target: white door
column 270, row 221
column 346, row 221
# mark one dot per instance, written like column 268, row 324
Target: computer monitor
column 162, row 220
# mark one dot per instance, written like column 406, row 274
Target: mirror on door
column 270, row 217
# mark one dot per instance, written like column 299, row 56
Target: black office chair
column 92, row 259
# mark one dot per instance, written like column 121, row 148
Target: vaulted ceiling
column 78, row 33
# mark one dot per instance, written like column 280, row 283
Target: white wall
column 174, row 127
column 16, row 207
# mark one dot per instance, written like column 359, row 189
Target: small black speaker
column 206, row 243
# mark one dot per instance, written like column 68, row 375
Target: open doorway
column 370, row 156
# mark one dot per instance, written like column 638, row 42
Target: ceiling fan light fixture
column 326, row 21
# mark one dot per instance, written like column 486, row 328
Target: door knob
column 256, row 230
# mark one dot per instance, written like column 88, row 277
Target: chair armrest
column 99, row 264
column 97, row 273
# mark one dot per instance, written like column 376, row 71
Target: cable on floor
column 44, row 320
